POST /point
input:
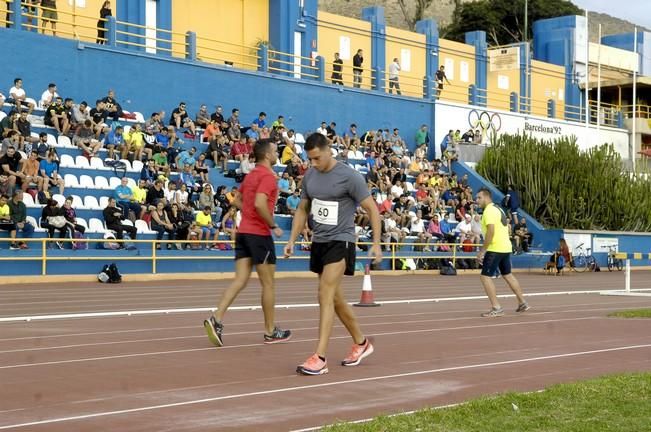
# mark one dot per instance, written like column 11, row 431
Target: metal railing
column 228, row 53
column 44, row 257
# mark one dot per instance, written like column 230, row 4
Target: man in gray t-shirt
column 331, row 193
column 334, row 197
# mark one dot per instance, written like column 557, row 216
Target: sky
column 635, row 11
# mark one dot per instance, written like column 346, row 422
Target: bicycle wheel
column 619, row 264
column 611, row 264
column 580, row 263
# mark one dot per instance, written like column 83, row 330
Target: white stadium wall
column 464, row 117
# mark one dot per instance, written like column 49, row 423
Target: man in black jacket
column 358, row 61
column 114, row 217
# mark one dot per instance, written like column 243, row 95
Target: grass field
column 612, row 403
column 637, row 313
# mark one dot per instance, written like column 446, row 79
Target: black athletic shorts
column 331, row 252
column 261, row 249
column 494, row 261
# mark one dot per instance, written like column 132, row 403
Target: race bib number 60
column 325, row 212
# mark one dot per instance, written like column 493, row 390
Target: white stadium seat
column 77, row 203
column 28, row 200
column 91, row 203
column 143, row 228
column 71, row 181
column 59, row 198
column 96, row 226
column 103, row 202
column 101, row 183
column 67, row 161
column 32, row 221
column 137, row 166
column 82, row 222
column 86, row 181
column 51, row 140
column 114, row 182
column 82, row 162
column 64, row 141
column 96, row 163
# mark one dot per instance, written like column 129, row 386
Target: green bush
column 564, row 187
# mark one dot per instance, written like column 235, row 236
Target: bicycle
column 613, row 261
column 583, row 259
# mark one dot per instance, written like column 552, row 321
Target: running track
column 157, row 372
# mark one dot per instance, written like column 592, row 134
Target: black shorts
column 330, row 253
column 7, row 226
column 261, row 249
column 494, row 261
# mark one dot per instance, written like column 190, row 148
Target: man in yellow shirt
column 6, row 223
column 205, row 228
column 495, row 254
column 134, row 141
column 139, row 192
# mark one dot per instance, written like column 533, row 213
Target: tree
column 415, row 10
column 503, row 20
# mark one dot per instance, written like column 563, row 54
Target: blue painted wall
column 478, row 40
column 553, row 42
column 148, row 83
column 626, row 41
column 375, row 15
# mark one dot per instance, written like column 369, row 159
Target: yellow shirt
column 134, row 138
column 139, row 195
column 493, row 215
column 288, row 154
column 5, row 211
column 434, row 181
column 203, row 219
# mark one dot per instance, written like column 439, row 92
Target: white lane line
column 282, row 306
column 390, row 323
column 322, row 385
column 293, row 341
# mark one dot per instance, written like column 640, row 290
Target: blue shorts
column 208, row 230
column 494, row 261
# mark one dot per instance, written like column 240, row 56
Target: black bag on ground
column 110, row 274
column 447, row 269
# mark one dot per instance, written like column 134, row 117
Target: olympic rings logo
column 488, row 123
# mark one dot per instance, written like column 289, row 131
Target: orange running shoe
column 313, row 366
column 358, row 353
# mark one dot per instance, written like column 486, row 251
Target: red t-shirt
column 260, row 180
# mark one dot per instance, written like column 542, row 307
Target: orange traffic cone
column 367, row 291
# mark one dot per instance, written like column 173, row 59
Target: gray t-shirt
column 334, row 197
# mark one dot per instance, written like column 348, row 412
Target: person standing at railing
column 104, row 13
column 49, row 14
column 337, row 69
column 440, row 77
column 358, row 61
column 394, row 76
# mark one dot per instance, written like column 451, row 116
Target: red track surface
column 159, row 373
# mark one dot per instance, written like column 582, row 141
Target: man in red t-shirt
column 239, row 149
column 254, row 245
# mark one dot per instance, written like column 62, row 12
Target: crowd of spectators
column 419, row 199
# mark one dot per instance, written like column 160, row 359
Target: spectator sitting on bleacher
column 211, row 132
column 155, row 194
column 292, row 202
column 170, row 191
column 253, row 133
column 6, row 222
column 80, row 113
column 181, row 225
column 240, row 148
column 205, row 228
column 139, row 192
column 188, row 179
column 391, row 232
column 154, row 124
column 246, row 166
column 148, row 173
column 55, row 116
column 446, row 229
column 8, row 124
column 218, row 115
column 181, row 120
column 18, row 97
column 99, row 115
column 19, row 217
column 2, row 99
column 68, row 104
column 434, row 228
column 289, row 152
column 7, row 184
column 161, row 165
column 11, row 166
column 203, row 117
column 114, row 141
column 71, row 216
column 49, row 220
column 134, row 141
column 24, row 128
column 323, row 129
column 417, row 229
column 30, row 170
column 207, row 199
column 49, row 96
column 112, row 106
column 84, row 138
column 161, row 224
column 233, row 125
column 113, row 217
column 201, row 169
column 165, row 139
column 396, row 138
column 464, row 228
column 284, row 186
column 125, row 200
column 415, row 167
column 186, row 158
column 181, row 197
column 228, row 224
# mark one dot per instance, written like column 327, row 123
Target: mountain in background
column 441, row 11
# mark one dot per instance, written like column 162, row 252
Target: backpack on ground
column 110, row 274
